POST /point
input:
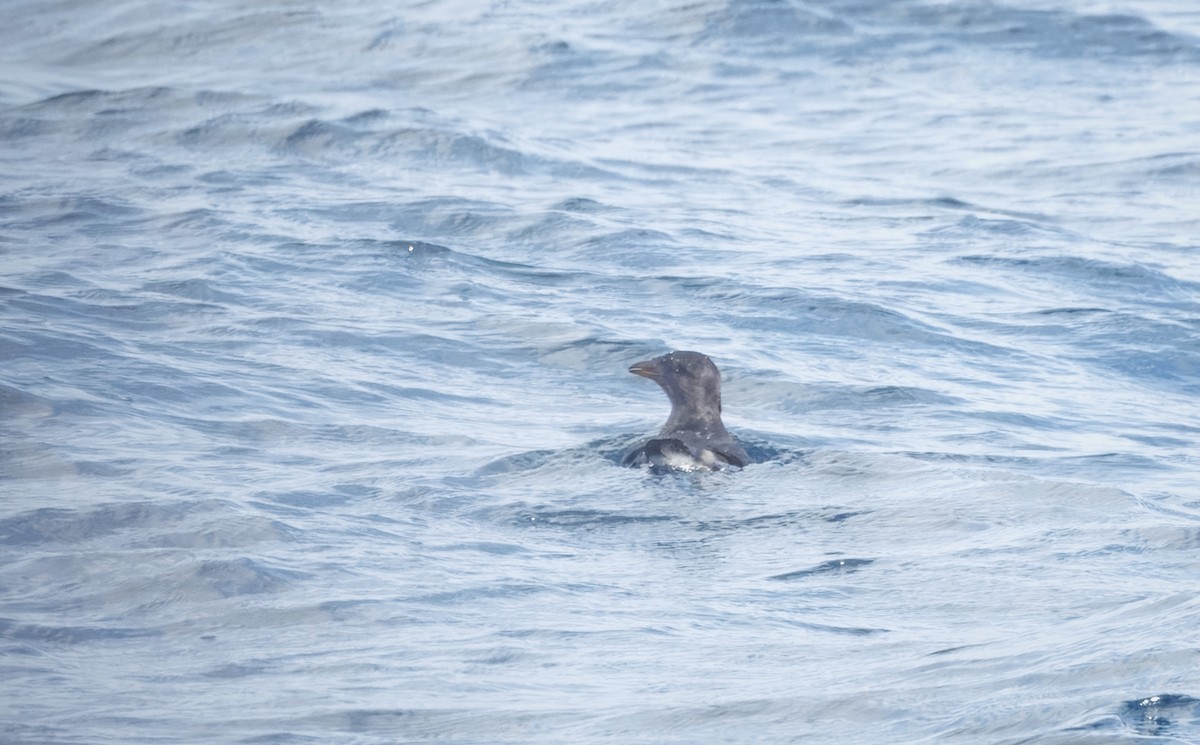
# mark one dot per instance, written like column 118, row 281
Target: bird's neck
column 691, row 420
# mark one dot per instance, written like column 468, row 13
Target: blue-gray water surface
column 315, row 321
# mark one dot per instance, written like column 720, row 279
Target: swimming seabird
column 694, row 438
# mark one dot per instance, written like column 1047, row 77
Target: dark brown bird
column 694, row 438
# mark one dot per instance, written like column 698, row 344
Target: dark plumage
column 694, row 438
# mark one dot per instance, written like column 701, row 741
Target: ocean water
column 314, row 328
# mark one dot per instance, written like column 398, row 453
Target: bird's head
column 690, row 380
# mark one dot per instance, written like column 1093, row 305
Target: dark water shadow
column 833, row 566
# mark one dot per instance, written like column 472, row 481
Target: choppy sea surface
column 314, row 328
